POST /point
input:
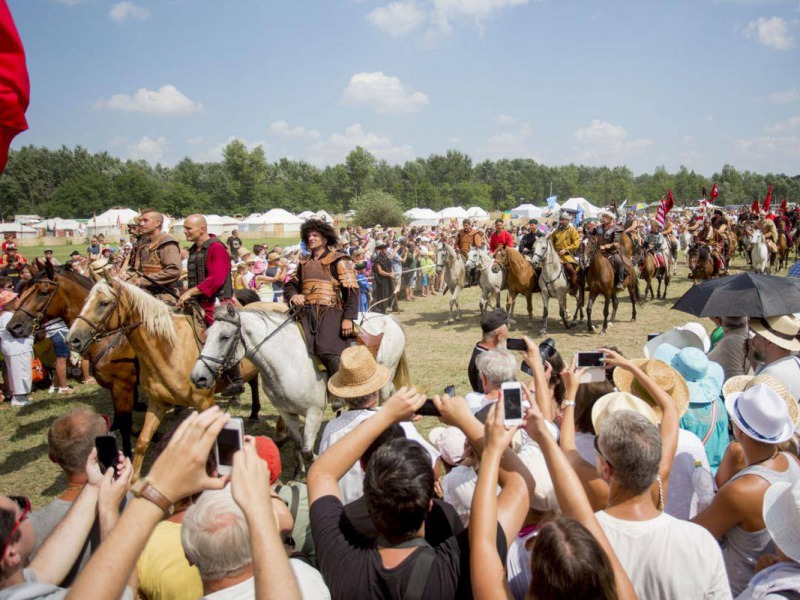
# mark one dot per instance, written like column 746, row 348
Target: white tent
column 57, row 226
column 452, row 212
column 527, row 211
column 111, row 223
column 307, row 214
column 277, row 222
column 20, row 231
column 476, row 212
column 421, row 213
column 589, row 209
column 324, row 216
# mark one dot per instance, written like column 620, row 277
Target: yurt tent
column 476, row 212
column 22, row 232
column 112, row 223
column 527, row 211
column 57, row 227
column 452, row 212
column 275, row 222
column 589, row 209
column 219, row 224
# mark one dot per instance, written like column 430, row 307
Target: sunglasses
column 25, row 508
column 599, row 452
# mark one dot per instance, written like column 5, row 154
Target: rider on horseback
column 632, row 229
column 610, row 246
column 155, row 262
column 655, row 245
column 466, row 239
column 566, row 241
column 529, row 239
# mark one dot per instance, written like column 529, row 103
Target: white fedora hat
column 781, row 513
column 679, row 337
column 700, row 331
column 761, row 414
column 781, row 331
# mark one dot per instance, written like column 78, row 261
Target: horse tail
column 402, row 375
column 637, row 294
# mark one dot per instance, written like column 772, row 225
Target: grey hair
column 497, row 366
column 632, row 445
column 729, row 323
column 362, row 401
column 215, row 535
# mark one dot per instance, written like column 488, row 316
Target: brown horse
column 521, row 277
column 601, row 279
column 650, row 270
column 701, row 263
column 783, row 251
column 164, row 342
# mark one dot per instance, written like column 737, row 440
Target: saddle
column 371, row 342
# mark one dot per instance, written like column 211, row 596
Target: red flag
column 714, row 192
column 670, row 201
column 767, row 200
column 785, row 205
column 754, row 206
column 15, row 87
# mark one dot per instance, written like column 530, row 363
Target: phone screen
column 228, row 443
column 450, row 390
column 590, row 359
column 512, row 403
column 516, row 344
column 107, row 454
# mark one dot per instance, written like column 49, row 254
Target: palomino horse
column 289, row 375
column 601, row 279
column 553, row 282
column 491, row 281
column 521, row 277
column 759, row 253
column 164, row 342
column 450, row 264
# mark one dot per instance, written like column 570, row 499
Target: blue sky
column 699, row 83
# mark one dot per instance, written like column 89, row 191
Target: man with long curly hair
column 326, row 288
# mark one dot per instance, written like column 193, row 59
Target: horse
column 650, row 269
column 601, row 279
column 553, row 281
column 290, row 376
column 759, row 253
column 521, row 277
column 701, row 263
column 450, row 264
column 491, row 281
column 783, row 251
column 165, row 343
column 685, row 242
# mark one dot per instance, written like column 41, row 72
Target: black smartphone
column 450, row 390
column 428, row 409
column 516, row 344
column 107, row 453
column 526, row 369
column 590, row 359
column 229, row 441
column 651, row 336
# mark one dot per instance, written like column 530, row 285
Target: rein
column 38, row 318
column 98, row 331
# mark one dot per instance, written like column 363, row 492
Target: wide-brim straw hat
column 740, row 383
column 358, row 374
column 761, row 414
column 781, row 331
column 667, row 378
column 242, row 252
column 612, row 402
column 607, row 213
column 781, row 512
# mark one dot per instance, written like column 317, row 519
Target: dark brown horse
column 601, row 280
column 650, row 270
column 701, row 263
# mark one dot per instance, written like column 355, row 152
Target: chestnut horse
column 521, row 277
column 164, row 342
column 649, row 270
column 601, row 279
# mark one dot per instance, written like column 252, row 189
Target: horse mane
column 516, row 260
column 156, row 316
column 81, row 280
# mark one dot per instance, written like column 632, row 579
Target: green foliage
column 379, row 207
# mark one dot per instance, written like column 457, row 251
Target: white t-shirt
column 787, row 370
column 518, row 566
column 351, row 485
column 668, row 558
column 309, row 580
column 682, row 495
column 10, row 345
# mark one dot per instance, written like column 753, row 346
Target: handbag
column 37, row 370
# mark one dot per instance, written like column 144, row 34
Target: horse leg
column 632, row 294
column 510, row 299
column 293, row 429
column 562, row 310
column 314, row 416
column 256, row 400
column 122, row 396
column 152, row 419
column 529, row 300
column 589, row 305
column 545, row 306
column 605, row 311
column 614, row 306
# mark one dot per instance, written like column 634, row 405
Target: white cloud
column 770, row 152
column 772, row 32
column 503, row 119
column 117, row 140
column 397, row 18
column 384, row 93
column 787, row 125
column 193, row 141
column 445, row 12
column 785, row 97
column 151, row 150
column 122, row 11
column 165, row 101
column 511, row 144
column 336, row 148
column 604, row 143
column 281, row 128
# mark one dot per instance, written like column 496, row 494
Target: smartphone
column 107, row 453
column 512, row 402
column 651, row 336
column 450, row 390
column 590, row 359
column 516, row 344
column 428, row 409
column 229, row 441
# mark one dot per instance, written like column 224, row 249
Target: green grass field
column 438, row 356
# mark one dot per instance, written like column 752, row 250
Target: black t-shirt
column 234, row 243
column 11, row 272
column 441, row 523
column 472, row 369
column 353, row 570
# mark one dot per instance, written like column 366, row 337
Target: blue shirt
column 794, row 270
column 697, row 419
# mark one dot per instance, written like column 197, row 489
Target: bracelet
column 567, row 403
column 143, row 489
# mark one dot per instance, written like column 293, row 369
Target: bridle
column 545, row 248
column 98, row 329
column 36, row 319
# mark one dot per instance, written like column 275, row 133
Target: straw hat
column 740, row 383
column 358, row 374
column 242, row 252
column 99, row 265
column 667, row 378
column 607, row 213
column 615, row 401
column 761, row 414
column 781, row 512
column 781, row 331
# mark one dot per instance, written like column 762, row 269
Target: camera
column 547, row 349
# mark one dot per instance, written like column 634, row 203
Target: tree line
column 73, row 182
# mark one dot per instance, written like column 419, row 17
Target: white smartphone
column 229, row 441
column 512, row 402
column 594, row 365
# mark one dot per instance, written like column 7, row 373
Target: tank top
column 741, row 548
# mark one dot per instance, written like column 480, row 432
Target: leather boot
column 236, row 386
column 331, row 362
column 621, row 274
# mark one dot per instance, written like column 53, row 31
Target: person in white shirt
column 775, row 345
column 358, row 382
column 17, row 351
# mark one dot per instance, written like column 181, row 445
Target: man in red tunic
column 500, row 236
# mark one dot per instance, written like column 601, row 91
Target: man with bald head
column 155, row 263
column 209, row 273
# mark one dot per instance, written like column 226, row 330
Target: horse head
column 473, row 258
column 39, row 302
column 100, row 314
column 224, row 347
column 540, row 247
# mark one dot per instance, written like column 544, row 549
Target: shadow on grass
column 20, row 458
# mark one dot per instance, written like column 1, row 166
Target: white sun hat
column 761, row 414
column 781, row 513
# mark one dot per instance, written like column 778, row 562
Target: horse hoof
column 255, row 419
column 308, row 456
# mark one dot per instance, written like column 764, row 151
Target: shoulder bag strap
column 295, row 501
column 418, row 579
column 714, row 409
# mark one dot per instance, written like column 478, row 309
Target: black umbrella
column 745, row 295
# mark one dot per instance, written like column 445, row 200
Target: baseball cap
column 493, row 320
column 268, row 452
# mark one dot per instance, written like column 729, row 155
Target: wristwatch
column 567, row 403
column 143, row 489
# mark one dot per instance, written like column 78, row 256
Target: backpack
column 295, row 496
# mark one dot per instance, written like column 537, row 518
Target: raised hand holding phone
column 511, row 397
column 229, row 441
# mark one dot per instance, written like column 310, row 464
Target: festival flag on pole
column 785, row 205
column 754, row 206
column 551, row 201
column 15, row 86
column 664, row 207
column 714, row 192
column 767, row 200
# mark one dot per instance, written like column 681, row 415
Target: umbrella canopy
column 745, row 295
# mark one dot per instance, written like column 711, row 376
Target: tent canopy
column 452, row 212
column 421, row 213
column 476, row 212
column 275, row 215
column 113, row 217
column 589, row 209
column 528, row 211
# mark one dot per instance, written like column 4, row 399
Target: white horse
column 759, row 253
column 491, row 282
column 290, row 376
column 553, row 281
column 685, row 242
column 450, row 263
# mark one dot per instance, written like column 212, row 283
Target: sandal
column 90, row 381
